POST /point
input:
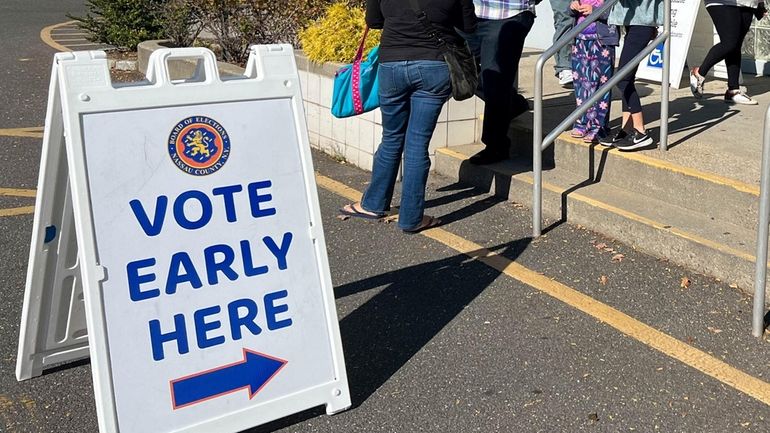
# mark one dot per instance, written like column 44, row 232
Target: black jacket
column 404, row 38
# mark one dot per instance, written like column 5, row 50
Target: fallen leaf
column 600, row 246
column 745, row 424
column 714, row 330
column 390, row 218
column 603, row 280
column 342, row 217
column 618, row 257
column 733, row 286
column 593, row 417
column 685, row 283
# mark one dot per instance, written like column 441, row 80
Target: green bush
column 335, row 36
column 181, row 23
column 229, row 26
column 237, row 24
column 123, row 23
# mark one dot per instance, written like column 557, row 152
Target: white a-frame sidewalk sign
column 178, row 242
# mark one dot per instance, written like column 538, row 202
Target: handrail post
column 760, row 280
column 537, row 153
column 537, row 127
column 665, row 79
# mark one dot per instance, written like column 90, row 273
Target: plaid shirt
column 502, row 9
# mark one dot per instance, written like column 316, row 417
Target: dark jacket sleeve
column 469, row 16
column 374, row 17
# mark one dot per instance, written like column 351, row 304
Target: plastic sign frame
column 80, row 90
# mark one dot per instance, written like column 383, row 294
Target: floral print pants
column 592, row 66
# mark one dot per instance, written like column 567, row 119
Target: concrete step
column 705, row 193
column 655, row 225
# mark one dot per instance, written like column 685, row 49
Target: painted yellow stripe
column 624, row 213
column 624, row 323
column 665, row 165
column 33, row 132
column 45, row 35
column 338, row 188
column 16, row 192
column 453, row 153
column 26, row 210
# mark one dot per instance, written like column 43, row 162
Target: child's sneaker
column 738, row 97
column 611, row 140
column 634, row 141
column 696, row 83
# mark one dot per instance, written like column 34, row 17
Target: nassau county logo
column 199, row 145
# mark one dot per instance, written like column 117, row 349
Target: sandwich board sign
column 178, row 242
column 683, row 17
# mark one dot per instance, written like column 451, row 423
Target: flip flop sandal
column 426, row 224
column 577, row 134
column 590, row 139
column 355, row 213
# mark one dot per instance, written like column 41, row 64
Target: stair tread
column 722, row 235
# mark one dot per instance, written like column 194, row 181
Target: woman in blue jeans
column 414, row 85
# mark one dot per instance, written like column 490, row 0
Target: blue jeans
column 411, row 96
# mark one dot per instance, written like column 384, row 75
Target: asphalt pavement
column 473, row 327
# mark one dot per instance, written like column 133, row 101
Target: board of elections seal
column 199, row 145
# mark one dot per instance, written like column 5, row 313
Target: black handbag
column 463, row 69
column 760, row 11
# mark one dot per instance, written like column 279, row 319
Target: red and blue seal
column 199, row 145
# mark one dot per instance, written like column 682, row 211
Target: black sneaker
column 635, row 141
column 610, row 140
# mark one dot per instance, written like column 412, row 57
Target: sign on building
column 178, row 242
column 683, row 18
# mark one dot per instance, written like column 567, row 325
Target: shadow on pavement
column 414, row 305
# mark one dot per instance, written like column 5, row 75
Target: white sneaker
column 565, row 78
column 738, row 97
column 696, row 84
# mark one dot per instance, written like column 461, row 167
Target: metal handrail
column 539, row 144
column 758, row 322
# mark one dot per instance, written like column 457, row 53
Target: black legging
column 637, row 37
column 732, row 23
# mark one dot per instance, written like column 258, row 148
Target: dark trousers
column 732, row 24
column 637, row 37
column 498, row 44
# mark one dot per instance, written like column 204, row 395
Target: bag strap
column 358, row 105
column 360, row 52
column 429, row 27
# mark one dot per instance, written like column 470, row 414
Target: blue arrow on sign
column 253, row 372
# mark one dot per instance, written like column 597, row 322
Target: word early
column 221, row 263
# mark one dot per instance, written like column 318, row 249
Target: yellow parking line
column 45, row 35
column 32, row 132
column 624, row 323
column 16, row 192
column 15, row 211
